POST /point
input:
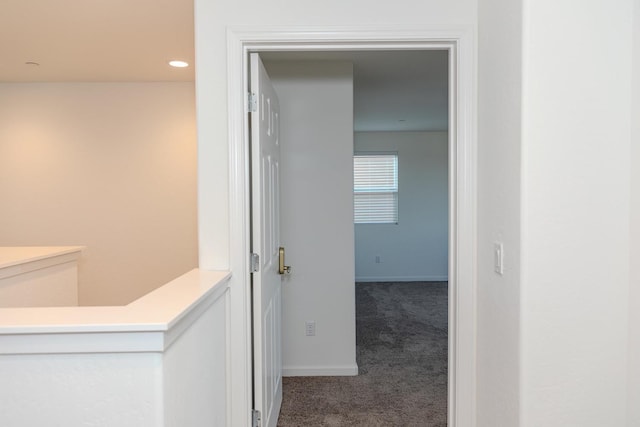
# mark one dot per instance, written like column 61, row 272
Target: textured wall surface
column 575, row 213
column 81, row 390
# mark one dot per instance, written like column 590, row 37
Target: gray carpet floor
column 401, row 341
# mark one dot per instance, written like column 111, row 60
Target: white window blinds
column 375, row 190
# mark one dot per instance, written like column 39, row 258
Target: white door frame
column 462, row 193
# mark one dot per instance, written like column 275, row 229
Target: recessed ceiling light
column 179, row 64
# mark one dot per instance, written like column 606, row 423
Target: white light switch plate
column 498, row 258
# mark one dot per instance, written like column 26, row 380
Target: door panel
column 265, row 201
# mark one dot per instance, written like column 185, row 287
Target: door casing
column 462, row 194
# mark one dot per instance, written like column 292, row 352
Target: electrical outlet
column 377, row 259
column 310, row 328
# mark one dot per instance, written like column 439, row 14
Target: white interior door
column 265, row 163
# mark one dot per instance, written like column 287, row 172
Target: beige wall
column 108, row 165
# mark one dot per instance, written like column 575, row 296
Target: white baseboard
column 402, row 279
column 319, row 371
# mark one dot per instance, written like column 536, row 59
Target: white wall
column 417, row 247
column 316, row 128
column 111, row 166
column 575, row 212
column 633, row 360
column 158, row 362
column 499, row 169
column 572, row 291
column 106, row 389
column 194, row 385
column 574, row 190
column 212, row 21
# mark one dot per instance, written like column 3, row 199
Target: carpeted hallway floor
column 402, row 357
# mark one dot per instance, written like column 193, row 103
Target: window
column 375, row 189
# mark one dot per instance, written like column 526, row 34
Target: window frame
column 395, row 192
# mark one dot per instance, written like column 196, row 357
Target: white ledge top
column 156, row 311
column 16, row 255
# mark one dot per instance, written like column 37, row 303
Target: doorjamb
column 462, row 199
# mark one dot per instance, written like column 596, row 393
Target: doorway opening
column 461, row 202
column 359, row 117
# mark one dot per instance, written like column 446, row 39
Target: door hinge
column 254, row 263
column 256, row 418
column 252, row 102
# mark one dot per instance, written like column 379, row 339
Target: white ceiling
column 95, row 40
column 132, row 40
column 393, row 90
column 401, row 91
